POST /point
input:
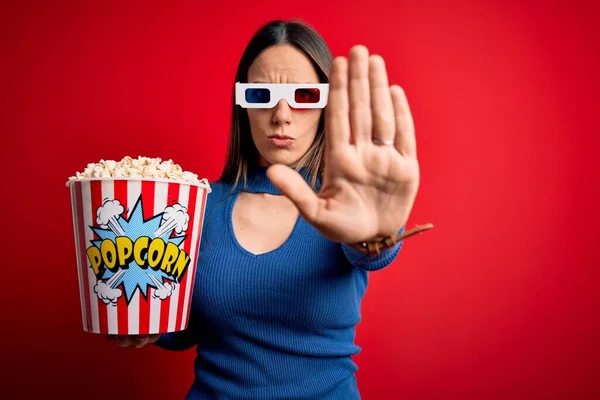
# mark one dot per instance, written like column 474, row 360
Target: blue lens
column 258, row 95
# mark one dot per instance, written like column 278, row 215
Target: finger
column 382, row 109
column 129, row 340
column 405, row 140
column 337, row 125
column 293, row 186
column 124, row 341
column 359, row 93
column 139, row 341
column 154, row 338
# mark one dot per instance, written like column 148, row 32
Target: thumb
column 291, row 184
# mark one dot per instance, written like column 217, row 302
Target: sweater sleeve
column 372, row 262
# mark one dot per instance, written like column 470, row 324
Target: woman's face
column 282, row 134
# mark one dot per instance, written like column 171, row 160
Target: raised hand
column 371, row 173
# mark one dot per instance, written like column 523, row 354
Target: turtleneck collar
column 258, row 182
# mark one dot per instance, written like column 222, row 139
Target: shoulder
column 218, row 192
column 218, row 189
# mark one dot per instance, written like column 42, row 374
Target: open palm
column 371, row 172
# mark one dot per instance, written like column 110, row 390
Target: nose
column 282, row 114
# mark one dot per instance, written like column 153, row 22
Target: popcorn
column 141, row 167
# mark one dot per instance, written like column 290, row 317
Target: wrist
column 375, row 245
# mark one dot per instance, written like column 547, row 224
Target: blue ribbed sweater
column 278, row 325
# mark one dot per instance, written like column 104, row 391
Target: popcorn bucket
column 136, row 241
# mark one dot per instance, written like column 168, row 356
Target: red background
column 499, row 301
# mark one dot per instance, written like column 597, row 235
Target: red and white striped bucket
column 136, row 242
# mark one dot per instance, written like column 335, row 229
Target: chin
column 281, row 157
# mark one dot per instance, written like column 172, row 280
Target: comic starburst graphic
column 134, row 277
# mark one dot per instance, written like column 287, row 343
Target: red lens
column 307, row 95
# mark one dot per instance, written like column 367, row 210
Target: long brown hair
column 242, row 154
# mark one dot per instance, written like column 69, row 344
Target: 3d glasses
column 267, row 95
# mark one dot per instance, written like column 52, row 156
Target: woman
column 280, row 277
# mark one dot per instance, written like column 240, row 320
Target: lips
column 281, row 137
column 281, row 140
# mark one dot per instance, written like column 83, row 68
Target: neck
column 258, row 182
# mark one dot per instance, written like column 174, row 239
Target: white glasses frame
column 281, row 91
